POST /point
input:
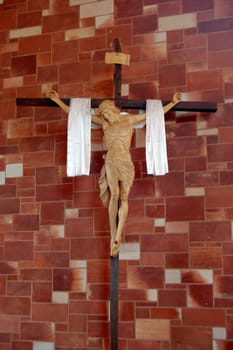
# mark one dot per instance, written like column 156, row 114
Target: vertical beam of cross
column 114, row 269
column 117, row 72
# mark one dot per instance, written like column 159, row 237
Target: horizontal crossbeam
column 183, row 106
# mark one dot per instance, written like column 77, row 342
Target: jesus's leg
column 122, row 215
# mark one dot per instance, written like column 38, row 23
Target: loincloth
column 121, row 169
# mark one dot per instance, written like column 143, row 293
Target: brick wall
column 176, row 263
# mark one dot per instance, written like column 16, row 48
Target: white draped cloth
column 156, row 148
column 79, row 137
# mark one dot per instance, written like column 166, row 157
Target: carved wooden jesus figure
column 117, row 174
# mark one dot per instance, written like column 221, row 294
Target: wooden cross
column 117, row 58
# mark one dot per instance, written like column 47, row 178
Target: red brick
column 46, row 113
column 215, row 25
column 7, row 110
column 98, row 271
column 223, row 285
column 54, row 192
column 197, row 54
column 98, row 329
column 78, row 323
column 60, row 244
column 62, row 21
column 47, row 175
column 7, row 191
column 201, row 179
column 51, row 259
column 169, row 9
column 6, row 268
column 145, row 24
column 89, row 307
column 220, row 41
column 186, row 147
column 220, row 153
column 145, row 277
column 141, row 69
column 170, row 185
column 90, row 44
column 41, row 292
column 26, row 222
column 90, row 200
column 132, row 8
column 224, row 344
column 164, row 243
column 9, row 324
column 101, row 220
column 15, row 306
column 192, row 277
column 138, row 90
column 126, row 311
column 38, row 5
column 210, row 231
column 79, row 227
column 197, row 5
column 126, row 330
column 177, row 260
column 52, row 213
column 90, row 248
column 99, row 291
column 223, row 302
column 142, row 188
column 206, row 257
column 47, row 74
column 228, row 248
column 74, row 72
column 218, row 197
column 35, row 274
column 172, row 75
column 49, row 312
column 229, row 326
column 137, row 344
column 204, row 80
column 69, row 339
column 23, row 65
column 172, row 297
column 41, row 331
column 204, row 317
column 184, row 337
column 168, row 313
column 21, row 250
column 228, row 264
column 139, row 225
column 25, row 185
column 200, row 295
column 9, row 206
column 35, row 44
column 57, row 127
column 223, row 9
column 29, row 91
column 65, row 51
column 101, row 72
column 19, row 288
column 64, row 279
column 8, row 19
column 185, row 208
column 29, row 19
column 43, row 158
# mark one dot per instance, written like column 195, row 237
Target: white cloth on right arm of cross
column 156, row 147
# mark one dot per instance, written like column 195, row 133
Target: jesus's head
column 108, row 110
